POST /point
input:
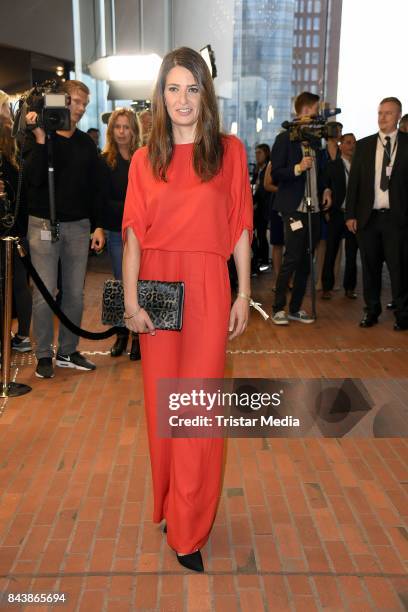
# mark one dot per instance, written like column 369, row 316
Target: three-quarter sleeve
column 241, row 213
column 134, row 214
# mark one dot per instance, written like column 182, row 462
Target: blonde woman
column 122, row 140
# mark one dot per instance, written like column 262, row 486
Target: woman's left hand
column 239, row 316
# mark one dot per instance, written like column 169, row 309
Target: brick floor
column 313, row 523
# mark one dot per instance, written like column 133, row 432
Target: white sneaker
column 301, row 316
column 280, row 318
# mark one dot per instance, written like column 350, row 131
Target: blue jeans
column 115, row 250
column 72, row 249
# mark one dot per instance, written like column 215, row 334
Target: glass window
column 310, row 6
column 266, row 68
column 317, row 6
column 316, row 40
column 313, row 74
column 316, row 23
column 306, row 73
column 307, row 57
column 315, row 58
column 309, row 23
column 307, row 40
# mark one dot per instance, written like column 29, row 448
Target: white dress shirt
column 381, row 198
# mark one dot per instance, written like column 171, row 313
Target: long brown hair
column 7, row 144
column 208, row 148
column 110, row 151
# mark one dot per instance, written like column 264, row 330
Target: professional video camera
column 313, row 129
column 50, row 105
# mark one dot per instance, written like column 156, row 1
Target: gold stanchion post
column 7, row 388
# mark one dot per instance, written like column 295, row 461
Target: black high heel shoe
column 135, row 349
column 120, row 345
column 193, row 561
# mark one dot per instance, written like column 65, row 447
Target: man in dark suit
column 290, row 161
column 337, row 173
column 377, row 211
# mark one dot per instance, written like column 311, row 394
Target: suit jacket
column 336, row 181
column 284, row 156
column 361, row 191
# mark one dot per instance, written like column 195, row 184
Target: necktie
column 384, row 182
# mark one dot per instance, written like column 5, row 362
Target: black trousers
column 383, row 240
column 260, row 244
column 22, row 293
column 295, row 260
column 336, row 230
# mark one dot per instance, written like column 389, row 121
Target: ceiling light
column 126, row 67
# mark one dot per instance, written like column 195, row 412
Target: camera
column 50, row 105
column 313, row 129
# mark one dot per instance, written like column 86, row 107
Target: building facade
column 280, row 48
column 316, row 44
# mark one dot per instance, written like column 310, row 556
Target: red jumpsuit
column 187, row 230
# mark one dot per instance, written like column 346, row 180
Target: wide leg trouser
column 186, row 472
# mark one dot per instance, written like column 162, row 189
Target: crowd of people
column 178, row 209
column 359, row 195
column 353, row 185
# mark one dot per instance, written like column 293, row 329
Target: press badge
column 388, row 171
column 45, row 232
column 296, row 225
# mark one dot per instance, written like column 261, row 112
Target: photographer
column 77, row 202
column 289, row 166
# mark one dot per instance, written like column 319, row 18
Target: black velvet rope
column 56, row 309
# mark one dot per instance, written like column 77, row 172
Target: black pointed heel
column 193, row 561
column 134, row 354
column 165, row 529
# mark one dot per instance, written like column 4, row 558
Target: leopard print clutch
column 163, row 302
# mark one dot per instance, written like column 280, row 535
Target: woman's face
column 182, row 97
column 260, row 156
column 122, row 133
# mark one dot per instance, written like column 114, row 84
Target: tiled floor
column 303, row 524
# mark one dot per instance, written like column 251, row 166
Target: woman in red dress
column 188, row 207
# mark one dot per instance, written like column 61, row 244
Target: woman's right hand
column 140, row 323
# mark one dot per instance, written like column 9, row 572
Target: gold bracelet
column 126, row 317
column 244, row 295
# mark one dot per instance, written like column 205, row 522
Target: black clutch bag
column 162, row 301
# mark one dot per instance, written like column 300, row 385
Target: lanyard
column 385, row 150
